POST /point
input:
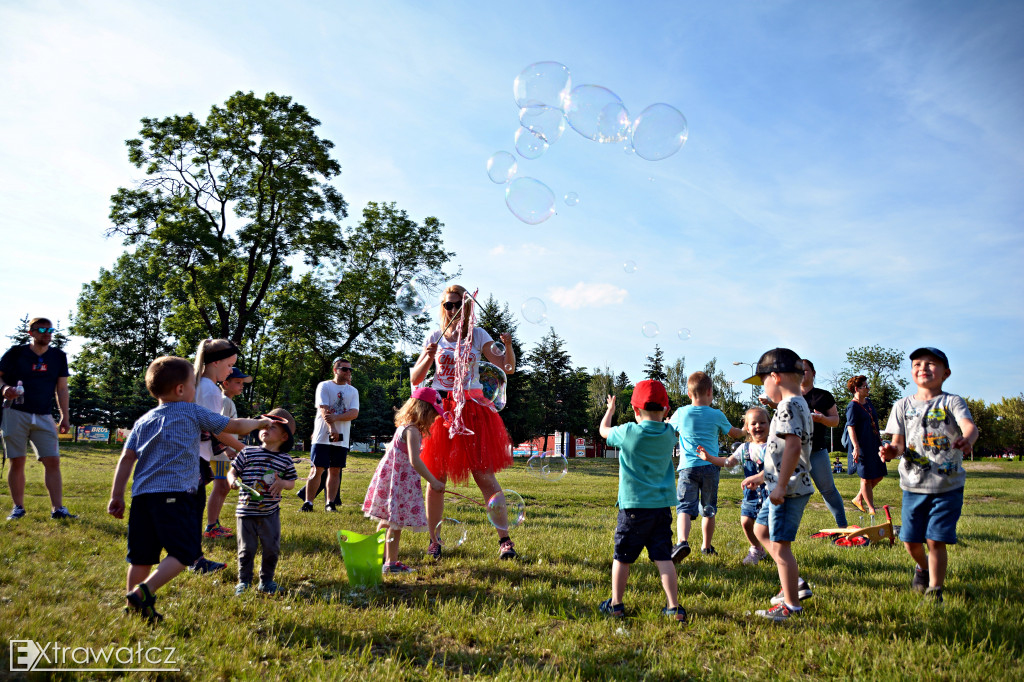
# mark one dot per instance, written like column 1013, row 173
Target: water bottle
column 20, row 399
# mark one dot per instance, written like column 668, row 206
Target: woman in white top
column 479, row 444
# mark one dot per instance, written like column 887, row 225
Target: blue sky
column 852, row 176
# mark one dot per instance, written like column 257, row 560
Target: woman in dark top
column 862, row 424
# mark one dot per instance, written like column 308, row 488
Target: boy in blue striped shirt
column 166, row 512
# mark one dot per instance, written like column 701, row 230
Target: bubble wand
column 476, row 502
column 254, row 495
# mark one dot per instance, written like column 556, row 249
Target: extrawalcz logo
column 28, row 656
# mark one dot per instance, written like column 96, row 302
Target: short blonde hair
column 699, row 383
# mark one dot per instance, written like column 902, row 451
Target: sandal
column 143, row 605
column 857, row 503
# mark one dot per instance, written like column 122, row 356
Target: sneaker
column 330, row 508
column 268, row 587
column 507, row 550
column 60, row 513
column 616, row 611
column 204, row 565
column 434, row 550
column 753, row 556
column 708, row 551
column 780, row 613
column 306, row 507
column 677, row 614
column 680, row 551
column 919, row 583
column 934, row 593
column 240, row 589
column 803, row 591
column 142, row 603
column 16, row 513
column 396, row 567
column 216, row 530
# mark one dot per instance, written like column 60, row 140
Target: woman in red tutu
column 473, row 440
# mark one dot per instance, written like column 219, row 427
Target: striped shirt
column 166, row 442
column 251, row 465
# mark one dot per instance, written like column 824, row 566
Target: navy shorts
column 698, row 491
column 165, row 521
column 639, row 528
column 329, row 456
column 931, row 516
column 783, row 520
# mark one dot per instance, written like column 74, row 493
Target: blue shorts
column 170, row 521
column 931, row 516
column 751, row 508
column 698, row 491
column 783, row 520
column 639, row 528
column 329, row 456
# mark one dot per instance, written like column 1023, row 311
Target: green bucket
column 363, row 556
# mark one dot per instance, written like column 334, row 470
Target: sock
column 794, row 609
column 211, row 526
column 753, row 549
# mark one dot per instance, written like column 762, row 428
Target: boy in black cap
column 932, row 430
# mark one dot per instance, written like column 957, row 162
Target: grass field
column 473, row 615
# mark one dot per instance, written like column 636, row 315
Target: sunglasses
column 344, row 369
column 45, row 330
column 452, row 305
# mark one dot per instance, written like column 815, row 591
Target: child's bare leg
column 669, row 583
column 435, row 510
column 762, row 535
column 393, row 537
column 707, row 529
column 137, row 574
column 620, row 574
column 916, row 550
column 937, row 559
column 218, row 494
column 683, row 522
column 788, row 572
column 747, row 524
column 165, row 571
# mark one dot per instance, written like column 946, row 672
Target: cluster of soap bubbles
column 548, row 465
column 652, row 329
column 547, row 102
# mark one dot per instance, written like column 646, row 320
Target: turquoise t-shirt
column 698, row 425
column 646, row 476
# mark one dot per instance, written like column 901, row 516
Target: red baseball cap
column 649, row 391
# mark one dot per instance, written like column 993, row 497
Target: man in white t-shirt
column 337, row 404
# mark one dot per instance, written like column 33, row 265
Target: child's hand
column 116, row 507
column 777, row 496
column 964, row 446
column 275, row 488
column 888, row 451
column 751, row 482
column 766, row 401
column 263, row 423
column 610, row 402
column 702, row 453
column 437, row 486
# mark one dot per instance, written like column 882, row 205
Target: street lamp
column 752, row 366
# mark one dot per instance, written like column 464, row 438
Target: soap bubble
column 571, row 199
column 529, row 144
column 598, row 114
column 629, row 267
column 650, row 329
column 506, row 509
column 546, row 122
column 534, row 310
column 501, row 167
column 493, row 382
column 498, row 348
column 451, row 532
column 542, row 84
column 409, row 299
column 659, row 132
column 684, row 334
column 548, row 465
column 530, row 200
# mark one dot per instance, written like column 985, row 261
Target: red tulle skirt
column 489, row 449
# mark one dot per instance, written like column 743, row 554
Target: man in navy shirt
column 42, row 373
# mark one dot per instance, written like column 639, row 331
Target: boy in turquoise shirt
column 646, row 494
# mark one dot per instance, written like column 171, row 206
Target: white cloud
column 497, row 250
column 588, row 295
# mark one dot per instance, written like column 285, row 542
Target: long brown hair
column 418, row 413
column 446, row 316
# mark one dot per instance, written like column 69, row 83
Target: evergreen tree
column 558, row 391
column 519, row 413
column 655, row 367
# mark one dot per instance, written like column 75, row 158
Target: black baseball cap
column 781, row 360
column 928, row 350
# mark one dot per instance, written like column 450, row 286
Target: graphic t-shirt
column 339, row 398
column 930, row 463
column 256, row 467
column 444, row 360
column 38, row 375
column 698, row 425
column 791, row 417
column 208, row 395
column 646, row 476
column 821, row 400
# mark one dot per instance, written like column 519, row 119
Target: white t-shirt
column 229, row 409
column 338, row 398
column 444, row 360
column 209, row 396
column 792, row 417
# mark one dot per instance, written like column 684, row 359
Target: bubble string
column 463, row 364
column 476, row 502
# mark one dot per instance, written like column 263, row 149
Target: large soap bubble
column 506, row 509
column 659, row 132
column 501, row 167
column 534, row 310
column 493, row 382
column 409, row 299
column 451, row 532
column 598, row 114
column 546, row 122
column 529, row 144
column 530, row 200
column 548, row 465
column 542, row 84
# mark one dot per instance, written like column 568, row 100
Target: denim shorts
column 783, row 520
column 931, row 516
column 639, row 528
column 698, row 483
column 329, row 456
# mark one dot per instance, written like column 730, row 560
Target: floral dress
column 395, row 494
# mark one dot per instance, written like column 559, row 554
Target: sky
column 852, row 174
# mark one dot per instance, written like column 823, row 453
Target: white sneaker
column 753, row 556
column 803, row 591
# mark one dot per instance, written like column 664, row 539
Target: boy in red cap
column 646, row 494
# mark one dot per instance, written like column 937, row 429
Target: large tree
column 883, row 369
column 558, row 391
column 655, row 367
column 227, row 201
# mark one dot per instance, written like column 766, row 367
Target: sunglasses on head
column 45, row 330
column 452, row 305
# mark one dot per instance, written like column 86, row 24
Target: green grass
column 472, row 615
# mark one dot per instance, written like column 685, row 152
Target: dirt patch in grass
column 981, row 466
